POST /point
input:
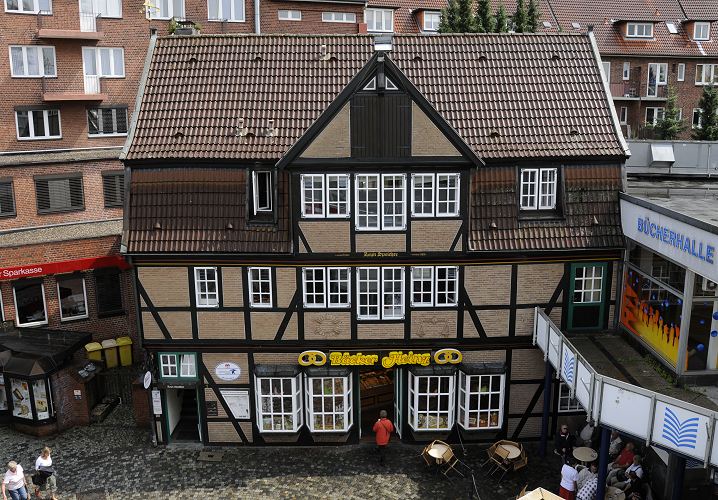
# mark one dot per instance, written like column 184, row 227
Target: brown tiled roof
column 700, row 10
column 590, row 192
column 507, row 96
column 404, row 19
column 193, row 208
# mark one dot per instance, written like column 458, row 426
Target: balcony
column 88, row 29
column 655, row 93
column 625, row 90
column 90, row 91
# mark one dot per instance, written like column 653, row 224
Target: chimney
column 323, row 54
column 241, row 131
column 382, row 43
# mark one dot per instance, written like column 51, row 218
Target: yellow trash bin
column 94, row 351
column 109, row 347
column 124, row 345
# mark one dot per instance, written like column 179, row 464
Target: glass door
column 398, row 407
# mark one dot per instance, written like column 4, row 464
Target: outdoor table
column 437, row 452
column 613, row 493
column 514, row 451
column 585, row 454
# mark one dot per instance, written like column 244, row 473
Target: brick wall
column 326, row 236
column 433, row 235
column 389, row 242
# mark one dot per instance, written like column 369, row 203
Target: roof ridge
column 369, row 35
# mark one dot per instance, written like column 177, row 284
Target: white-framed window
column 30, row 306
column 431, row 402
column 72, row 295
column 262, row 189
column 696, row 119
column 178, row 365
column 588, row 285
column 702, row 31
column 107, row 121
column 681, row 72
column 188, row 366
column 260, row 286
column 225, row 10
column 623, row 115
column 34, row 124
column 104, row 8
column 422, row 195
column 312, row 195
column 481, row 401
column 165, row 9
column 626, row 70
column 325, row 195
column 565, row 402
column 380, row 292
column 32, row 61
column 706, row 74
column 206, row 288
column 607, row 71
column 290, row 15
column 435, row 194
column 339, row 17
column 379, row 20
column 391, row 204
column 279, row 403
column 29, row 6
column 639, row 30
column 434, row 286
column 654, row 115
column 105, row 62
column 538, row 188
column 329, row 404
column 432, row 19
column 168, row 366
column 337, row 195
column 326, row 287
column 447, row 195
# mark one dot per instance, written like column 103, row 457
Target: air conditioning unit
column 708, row 285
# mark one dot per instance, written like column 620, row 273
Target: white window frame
column 588, row 289
column 565, row 402
column 339, row 17
column 251, row 280
column 681, row 72
column 206, row 298
column 428, row 276
column 468, row 412
column 414, row 399
column 450, row 191
column 346, row 400
column 289, row 15
column 639, row 30
column 380, row 202
column 99, row 111
column 537, row 198
column 233, row 17
column 35, row 10
column 152, row 10
column 383, row 13
column 433, row 26
column 97, row 10
column 39, row 49
column 706, row 74
column 388, row 286
column 84, row 297
column 695, row 125
column 31, row 125
column 623, row 115
column 187, row 365
column 607, row 71
column 368, row 278
column 296, row 411
column 329, row 276
column 702, row 26
column 44, row 304
column 661, row 70
column 309, row 188
column 626, row 70
column 426, row 195
column 168, row 365
column 657, row 111
column 424, row 277
column 177, row 365
column 98, row 51
column 255, row 191
column 330, row 209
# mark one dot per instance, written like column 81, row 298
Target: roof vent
column 573, row 132
column 241, row 131
column 192, row 60
column 494, row 134
column 483, row 58
column 270, row 129
column 323, row 54
column 595, row 221
column 493, row 225
column 417, row 58
column 158, row 225
column 257, row 58
column 178, row 135
column 555, row 57
column 576, row 26
column 230, row 226
column 546, row 24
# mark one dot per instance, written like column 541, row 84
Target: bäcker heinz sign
column 388, row 360
column 690, row 246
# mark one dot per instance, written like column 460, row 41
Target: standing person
column 14, row 482
column 383, row 429
column 614, row 448
column 564, row 443
column 45, row 473
column 569, row 478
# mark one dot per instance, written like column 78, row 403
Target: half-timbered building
column 322, row 227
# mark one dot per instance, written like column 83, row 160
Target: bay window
column 73, row 297
column 434, row 286
column 205, row 287
column 279, row 404
column 329, row 403
column 380, row 194
column 538, row 188
column 481, row 401
column 260, row 286
column 380, row 292
column 325, row 287
column 431, row 402
column 30, row 307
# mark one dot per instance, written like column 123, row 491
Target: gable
column 426, row 138
column 333, row 141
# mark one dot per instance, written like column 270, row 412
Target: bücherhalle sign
column 385, row 360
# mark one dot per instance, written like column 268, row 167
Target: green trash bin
column 124, row 345
column 94, row 351
column 109, row 347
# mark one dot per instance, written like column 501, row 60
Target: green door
column 587, row 296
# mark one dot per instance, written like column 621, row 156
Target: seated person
column 614, row 448
column 632, row 484
column 620, row 479
column 586, row 474
column 564, row 443
column 588, row 490
column 622, row 462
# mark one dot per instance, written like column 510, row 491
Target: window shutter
column 42, row 192
column 7, row 201
column 108, row 292
column 76, row 195
column 59, row 194
column 113, row 186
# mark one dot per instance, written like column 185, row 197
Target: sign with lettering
column 212, row 410
column 385, row 360
column 67, row 266
column 238, row 402
column 156, row 402
column 227, row 371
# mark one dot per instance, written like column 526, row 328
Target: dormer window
column 702, row 31
column 639, row 30
column 379, row 20
column 262, row 191
column 538, row 188
column 432, row 20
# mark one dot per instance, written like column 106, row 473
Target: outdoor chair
column 522, row 492
column 500, row 460
column 449, row 463
column 489, row 454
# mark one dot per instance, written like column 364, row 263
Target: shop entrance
column 182, row 415
column 377, row 393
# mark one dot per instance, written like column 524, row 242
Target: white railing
column 88, row 22
column 660, row 420
column 92, row 84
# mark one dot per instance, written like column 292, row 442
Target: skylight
column 671, row 28
column 546, row 24
column 576, row 26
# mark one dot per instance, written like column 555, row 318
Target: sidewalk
column 115, row 460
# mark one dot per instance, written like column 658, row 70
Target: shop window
column 113, row 187
column 37, row 124
column 73, row 297
column 260, row 287
column 434, row 286
column 325, row 287
column 7, row 198
column 380, row 202
column 699, row 332
column 25, row 393
column 565, row 402
column 656, row 266
column 380, row 292
column 107, row 121
column 538, row 188
column 226, row 10
column 325, row 195
column 279, row 404
column 29, row 6
column 586, row 306
column 178, row 365
column 431, row 402
column 481, row 401
column 166, row 9
column 32, row 61
column 30, row 306
column 329, row 404
column 205, row 286
column 60, row 193
column 379, row 20
column 108, row 292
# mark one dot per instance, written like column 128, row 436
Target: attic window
column 702, row 31
column 390, row 85
column 546, row 24
column 576, row 26
column 371, row 85
column 262, row 187
column 672, row 28
column 639, row 30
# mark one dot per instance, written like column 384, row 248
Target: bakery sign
column 385, row 360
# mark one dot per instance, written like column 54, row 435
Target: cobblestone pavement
column 115, row 460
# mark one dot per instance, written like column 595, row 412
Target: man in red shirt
column 622, row 462
column 383, row 429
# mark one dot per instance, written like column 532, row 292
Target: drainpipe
column 257, row 24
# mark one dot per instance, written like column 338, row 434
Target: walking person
column 14, row 482
column 383, row 429
column 45, row 474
